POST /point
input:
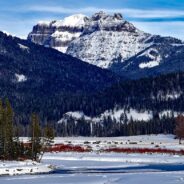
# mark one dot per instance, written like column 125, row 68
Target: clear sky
column 165, row 17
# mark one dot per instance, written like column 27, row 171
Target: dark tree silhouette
column 179, row 131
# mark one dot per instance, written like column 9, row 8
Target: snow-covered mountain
column 58, row 34
column 109, row 41
column 103, row 38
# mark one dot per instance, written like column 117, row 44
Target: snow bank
column 150, row 64
column 26, row 167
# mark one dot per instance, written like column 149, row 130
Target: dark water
column 133, row 169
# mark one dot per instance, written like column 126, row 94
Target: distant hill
column 38, row 79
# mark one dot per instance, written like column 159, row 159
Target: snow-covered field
column 143, row 141
column 93, row 168
column 110, row 168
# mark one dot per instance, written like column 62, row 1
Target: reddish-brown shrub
column 145, row 150
column 67, row 148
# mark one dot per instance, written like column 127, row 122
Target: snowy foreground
column 110, row 168
column 26, row 167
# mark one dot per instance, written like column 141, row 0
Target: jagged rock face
column 58, row 34
column 109, row 41
column 104, row 22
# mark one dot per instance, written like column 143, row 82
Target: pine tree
column 16, row 142
column 179, row 131
column 35, row 137
column 48, row 138
column 48, row 135
column 8, row 133
column 1, row 131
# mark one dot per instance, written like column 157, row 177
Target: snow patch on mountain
column 63, row 37
column 118, row 114
column 45, row 23
column 61, row 49
column 154, row 57
column 77, row 20
column 7, row 33
column 23, row 47
column 167, row 96
column 78, row 115
column 131, row 114
column 173, row 96
column 71, row 21
column 150, row 64
column 20, row 77
column 151, row 53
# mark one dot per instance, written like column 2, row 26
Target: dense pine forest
column 150, row 94
column 109, row 127
column 161, row 93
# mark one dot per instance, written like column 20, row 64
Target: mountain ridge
column 111, row 42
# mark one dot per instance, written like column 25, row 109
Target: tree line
column 11, row 147
column 109, row 126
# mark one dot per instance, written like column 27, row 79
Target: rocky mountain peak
column 98, row 16
column 118, row 16
column 103, row 16
column 102, row 21
column 58, row 34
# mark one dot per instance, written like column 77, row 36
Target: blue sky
column 165, row 17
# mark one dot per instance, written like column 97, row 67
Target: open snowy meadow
column 97, row 167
